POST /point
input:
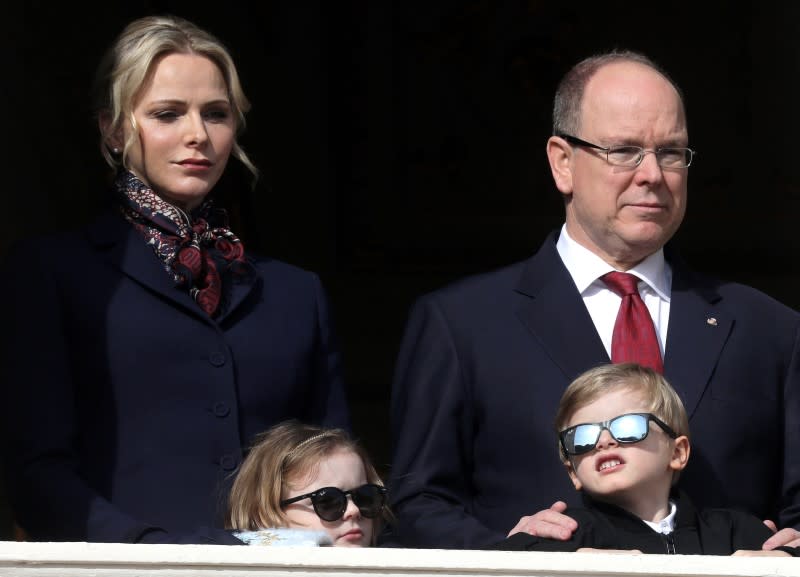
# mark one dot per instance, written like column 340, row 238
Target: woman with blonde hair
column 144, row 352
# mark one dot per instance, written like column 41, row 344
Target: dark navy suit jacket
column 128, row 409
column 484, row 362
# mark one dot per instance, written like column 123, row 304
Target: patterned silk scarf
column 195, row 252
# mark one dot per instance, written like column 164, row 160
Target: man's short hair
column 569, row 94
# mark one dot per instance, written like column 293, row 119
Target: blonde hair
column 285, row 453
column 129, row 63
column 663, row 401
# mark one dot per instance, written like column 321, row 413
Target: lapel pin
column 712, row 321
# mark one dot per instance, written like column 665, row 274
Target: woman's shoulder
column 70, row 242
column 268, row 263
column 272, row 268
column 43, row 246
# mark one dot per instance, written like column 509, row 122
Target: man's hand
column 550, row 523
column 785, row 537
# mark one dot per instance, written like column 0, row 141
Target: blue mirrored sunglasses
column 627, row 428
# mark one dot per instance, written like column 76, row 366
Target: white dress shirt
column 586, row 268
column 667, row 524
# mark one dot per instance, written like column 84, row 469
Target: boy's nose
column 605, row 440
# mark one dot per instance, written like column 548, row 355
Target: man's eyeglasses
column 330, row 503
column 632, row 156
column 627, row 428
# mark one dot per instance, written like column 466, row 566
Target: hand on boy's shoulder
column 550, row 523
column 787, row 537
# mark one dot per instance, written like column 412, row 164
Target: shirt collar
column 667, row 524
column 586, row 268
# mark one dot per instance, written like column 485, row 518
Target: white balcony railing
column 27, row 559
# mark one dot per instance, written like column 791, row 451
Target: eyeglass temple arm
column 575, row 140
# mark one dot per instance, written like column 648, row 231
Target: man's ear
column 559, row 154
column 573, row 476
column 680, row 453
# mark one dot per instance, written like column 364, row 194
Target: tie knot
column 622, row 283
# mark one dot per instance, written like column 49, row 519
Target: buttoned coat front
column 128, row 408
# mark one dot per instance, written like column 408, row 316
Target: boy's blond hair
column 664, row 402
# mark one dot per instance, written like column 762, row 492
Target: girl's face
column 344, row 470
column 186, row 129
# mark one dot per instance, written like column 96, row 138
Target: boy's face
column 632, row 476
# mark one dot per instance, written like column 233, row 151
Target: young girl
column 306, row 477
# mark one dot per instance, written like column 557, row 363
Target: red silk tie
column 634, row 337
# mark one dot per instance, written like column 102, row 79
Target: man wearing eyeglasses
column 484, row 361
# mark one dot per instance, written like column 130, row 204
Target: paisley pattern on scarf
column 193, row 250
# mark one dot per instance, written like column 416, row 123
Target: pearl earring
column 115, row 150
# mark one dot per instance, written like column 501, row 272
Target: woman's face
column 186, row 129
column 344, row 470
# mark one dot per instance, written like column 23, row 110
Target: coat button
column 221, row 409
column 227, row 462
column 217, row 359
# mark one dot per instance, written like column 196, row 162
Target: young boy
column 624, row 438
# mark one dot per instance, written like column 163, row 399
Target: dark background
column 402, row 143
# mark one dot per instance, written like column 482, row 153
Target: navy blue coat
column 483, row 365
column 128, row 409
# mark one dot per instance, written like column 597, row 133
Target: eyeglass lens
column 633, row 156
column 629, row 428
column 330, row 503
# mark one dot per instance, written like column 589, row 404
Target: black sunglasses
column 330, row 503
column 627, row 428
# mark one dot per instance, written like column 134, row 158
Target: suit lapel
column 555, row 314
column 698, row 330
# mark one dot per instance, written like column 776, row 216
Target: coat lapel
column 698, row 330
column 555, row 314
column 238, row 293
column 126, row 250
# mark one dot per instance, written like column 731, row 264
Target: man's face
column 625, row 214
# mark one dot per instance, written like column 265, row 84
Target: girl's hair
column 285, row 453
column 129, row 63
column 660, row 397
